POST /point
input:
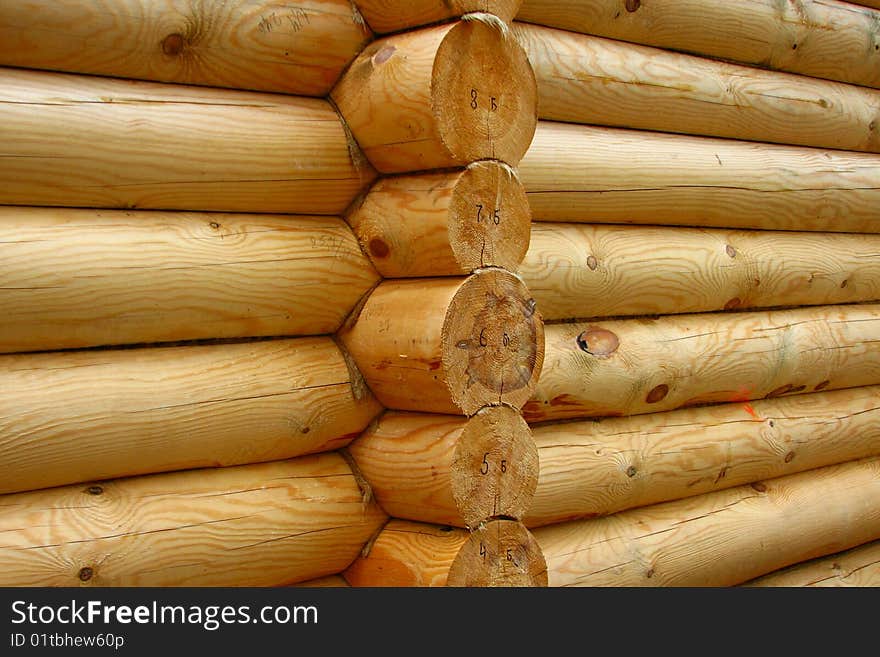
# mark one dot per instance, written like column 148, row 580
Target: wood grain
column 294, row 47
column 598, row 468
column 395, row 15
column 627, row 367
column 331, row 581
column 448, row 345
column 81, row 278
column 722, row 538
column 256, row 525
column 859, row 567
column 78, row 416
column 444, row 224
column 440, row 97
column 450, row 470
column 82, row 141
column 580, row 271
column 819, row 38
column 628, row 176
column 585, row 79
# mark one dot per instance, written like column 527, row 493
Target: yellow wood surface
column 396, row 15
column 77, row 416
column 858, row 567
column 257, row 525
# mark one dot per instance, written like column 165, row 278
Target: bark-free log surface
column 857, row 567
column 628, row 176
column 441, row 96
column 394, row 15
column 499, row 553
column 597, row 468
column 626, row 367
column 75, row 140
column 450, row 470
column 584, row 79
column 295, row 47
column 331, row 581
column 580, row 271
column 722, row 538
column 445, row 224
column 257, row 525
column 820, row 38
column 81, row 278
column 449, row 345
column 67, row 417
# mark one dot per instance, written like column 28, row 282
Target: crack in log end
column 598, row 342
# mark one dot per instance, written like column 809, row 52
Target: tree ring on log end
column 489, row 217
column 483, row 92
column 499, row 553
column 494, row 466
column 492, row 342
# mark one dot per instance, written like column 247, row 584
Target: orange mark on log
column 733, row 303
column 784, row 390
column 598, row 342
column 173, row 44
column 564, row 400
column 633, row 5
column 658, row 393
column 384, row 55
column 751, row 411
column 824, row 384
column 378, row 248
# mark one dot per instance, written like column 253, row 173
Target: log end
column 489, row 218
column 494, row 466
column 492, row 342
column 501, row 553
column 483, row 92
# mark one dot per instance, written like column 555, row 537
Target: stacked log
column 857, row 567
column 254, row 525
column 451, row 340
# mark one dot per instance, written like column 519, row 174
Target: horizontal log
column 257, row 525
column 82, row 278
column 499, row 553
column 81, row 141
column 577, row 271
column 722, row 538
column 445, row 224
column 294, row 47
column 857, row 567
column 629, row 176
column 819, row 38
column 627, row 367
column 440, row 97
column 585, row 79
column 450, row 470
column 395, row 15
column 448, row 345
column 80, row 416
column 598, row 468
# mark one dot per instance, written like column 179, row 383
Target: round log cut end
column 499, row 553
column 492, row 342
column 494, row 466
column 489, row 217
column 483, row 92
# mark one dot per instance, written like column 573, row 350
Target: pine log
column 857, row 567
column 578, row 271
column 256, row 525
column 627, row 367
column 722, row 538
column 627, row 176
column 584, row 79
column 441, row 96
column 81, row 141
column 77, row 416
column 499, row 553
column 819, row 38
column 445, row 224
column 395, row 15
column 82, row 278
column 450, row 470
column 598, row 468
column 331, row 581
column 448, row 345
column 290, row 46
